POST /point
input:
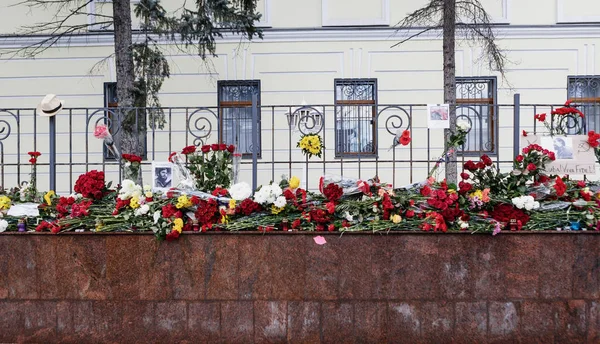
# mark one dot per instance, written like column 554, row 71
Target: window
column 475, row 103
column 110, row 95
column 235, row 114
column 585, row 92
column 355, row 113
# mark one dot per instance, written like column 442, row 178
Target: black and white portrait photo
column 163, row 176
column 563, row 148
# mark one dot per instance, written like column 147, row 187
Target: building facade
column 333, row 55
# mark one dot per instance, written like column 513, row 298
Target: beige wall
column 300, row 65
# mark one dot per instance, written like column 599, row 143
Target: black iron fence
column 357, row 139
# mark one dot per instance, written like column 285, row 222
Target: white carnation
column 3, row 225
column 240, row 191
column 280, row 202
column 267, row 194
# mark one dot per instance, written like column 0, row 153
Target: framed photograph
column 438, row 116
column 162, row 176
column 562, row 146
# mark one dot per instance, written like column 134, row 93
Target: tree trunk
column 131, row 125
column 125, row 72
column 450, row 78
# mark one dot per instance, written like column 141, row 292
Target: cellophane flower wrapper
column 186, row 180
column 350, row 186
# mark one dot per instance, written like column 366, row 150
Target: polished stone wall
column 282, row 287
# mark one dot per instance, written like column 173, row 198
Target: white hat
column 50, row 106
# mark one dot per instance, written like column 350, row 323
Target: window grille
column 235, row 114
column 475, row 103
column 355, row 113
column 585, row 92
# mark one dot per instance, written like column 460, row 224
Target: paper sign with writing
column 573, row 154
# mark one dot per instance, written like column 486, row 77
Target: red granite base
column 244, row 288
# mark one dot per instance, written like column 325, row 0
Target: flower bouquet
column 211, row 166
column 311, row 144
column 101, row 132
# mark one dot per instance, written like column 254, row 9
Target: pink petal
column 319, row 240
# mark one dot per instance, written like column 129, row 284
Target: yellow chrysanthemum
column 4, row 202
column 134, row 202
column 232, row 204
column 178, row 225
column 48, row 197
column 294, row 182
column 183, row 202
column 396, row 218
column 276, row 210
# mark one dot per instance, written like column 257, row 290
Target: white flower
column 240, row 191
column 280, row 202
column 528, row 206
column 267, row 194
column 156, row 216
column 147, row 188
column 129, row 189
column 536, row 205
column 3, row 225
column 143, row 210
column 349, row 217
column 463, row 126
column 464, row 225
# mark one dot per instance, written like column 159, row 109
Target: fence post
column 516, row 124
column 52, row 147
column 254, row 141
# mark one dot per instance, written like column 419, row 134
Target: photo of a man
column 163, row 177
column 563, row 148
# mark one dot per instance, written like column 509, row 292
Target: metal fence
column 357, row 139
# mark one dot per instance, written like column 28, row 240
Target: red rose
column 525, row 150
column 487, row 160
column 470, row 166
column 464, row 175
column 33, row 160
column 480, row 165
column 188, row 150
column 531, row 167
column 171, row 156
column 214, row 147
column 331, row 227
column 231, row 148
column 410, row 213
column 519, row 158
column 205, row 149
column 222, row 147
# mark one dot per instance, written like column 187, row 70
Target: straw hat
column 50, row 106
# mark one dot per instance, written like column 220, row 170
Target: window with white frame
column 355, row 113
column 476, row 104
column 235, row 113
column 584, row 91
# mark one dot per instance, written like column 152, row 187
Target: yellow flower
column 276, row 210
column 4, row 202
column 477, row 193
column 232, row 204
column 148, row 194
column 294, row 182
column 134, row 202
column 396, row 218
column 183, row 202
column 48, row 197
column 224, row 218
column 178, row 225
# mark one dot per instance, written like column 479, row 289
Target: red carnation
column 34, row 154
column 171, row 156
column 560, row 187
column 405, row 138
column 541, row 117
column 524, row 133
